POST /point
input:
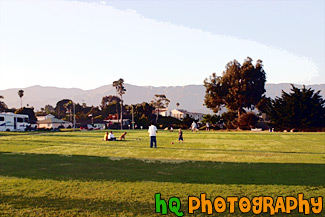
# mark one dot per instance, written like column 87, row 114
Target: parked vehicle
column 89, row 127
column 13, row 122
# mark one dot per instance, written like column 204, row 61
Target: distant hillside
column 190, row 97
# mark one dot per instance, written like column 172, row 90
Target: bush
column 229, row 119
column 168, row 122
column 247, row 121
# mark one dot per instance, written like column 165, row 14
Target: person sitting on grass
column 122, row 136
column 111, row 136
column 105, row 136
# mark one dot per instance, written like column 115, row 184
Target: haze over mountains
column 190, row 97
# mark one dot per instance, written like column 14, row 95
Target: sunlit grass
column 78, row 174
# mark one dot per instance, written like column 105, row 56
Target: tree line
column 239, row 92
column 111, row 107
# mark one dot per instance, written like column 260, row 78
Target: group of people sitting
column 110, row 136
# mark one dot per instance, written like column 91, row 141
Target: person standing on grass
column 180, row 135
column 152, row 133
column 207, row 126
column 194, row 127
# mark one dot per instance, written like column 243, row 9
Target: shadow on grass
column 115, row 144
column 62, row 167
column 74, row 207
column 46, row 206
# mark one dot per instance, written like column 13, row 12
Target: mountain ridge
column 190, row 97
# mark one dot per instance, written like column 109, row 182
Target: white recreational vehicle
column 13, row 122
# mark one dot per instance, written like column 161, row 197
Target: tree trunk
column 118, row 119
column 121, row 113
column 157, row 115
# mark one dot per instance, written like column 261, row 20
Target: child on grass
column 180, row 135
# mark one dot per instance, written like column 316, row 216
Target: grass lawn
column 78, row 174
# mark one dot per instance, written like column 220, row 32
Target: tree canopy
column 106, row 100
column 159, row 101
column 300, row 109
column 60, row 108
column 3, row 105
column 239, row 87
column 27, row 111
column 142, row 113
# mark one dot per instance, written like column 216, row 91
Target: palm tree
column 177, row 104
column 21, row 94
column 120, row 90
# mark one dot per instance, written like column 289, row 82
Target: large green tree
column 109, row 105
column 159, row 101
column 27, row 111
column 142, row 113
column 107, row 100
column 69, row 109
column 60, row 108
column 49, row 109
column 239, row 87
column 120, row 90
column 300, row 109
column 211, row 119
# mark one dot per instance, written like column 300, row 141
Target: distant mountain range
column 190, row 97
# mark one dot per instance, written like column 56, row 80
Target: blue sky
column 87, row 44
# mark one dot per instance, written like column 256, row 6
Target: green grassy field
column 78, row 174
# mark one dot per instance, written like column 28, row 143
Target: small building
column 162, row 111
column 178, row 113
column 43, row 117
column 52, row 123
column 182, row 113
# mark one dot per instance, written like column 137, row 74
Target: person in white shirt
column 111, row 136
column 152, row 133
column 207, row 126
column 194, row 127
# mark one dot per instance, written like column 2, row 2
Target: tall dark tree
column 239, row 87
column 27, row 111
column 3, row 105
column 21, row 94
column 60, row 108
column 159, row 101
column 142, row 113
column 120, row 89
column 300, row 109
column 49, row 109
column 264, row 105
column 69, row 107
column 144, row 110
column 106, row 100
column 211, row 119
